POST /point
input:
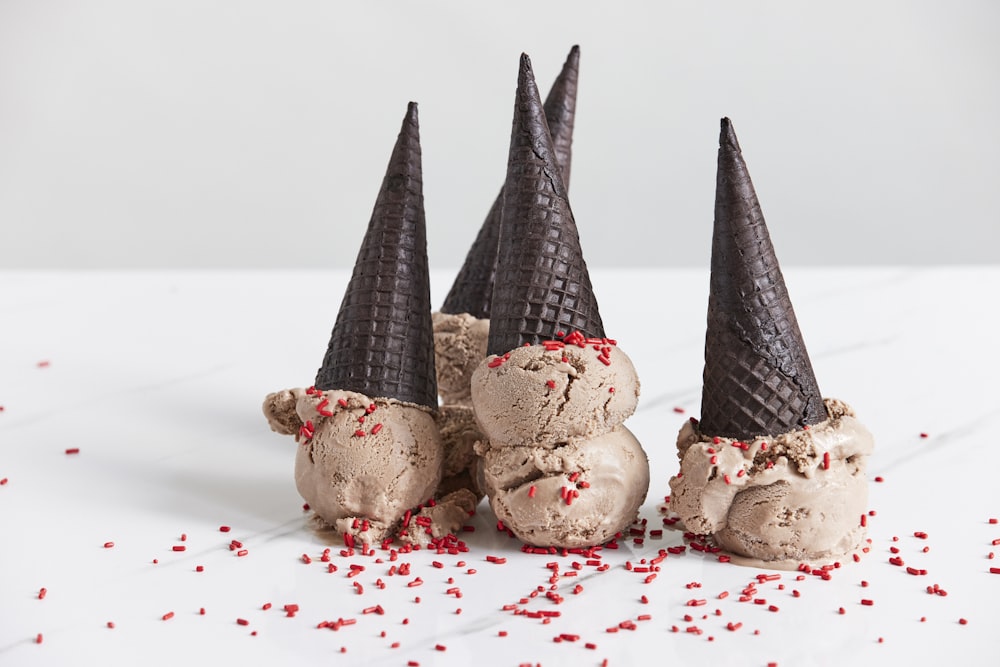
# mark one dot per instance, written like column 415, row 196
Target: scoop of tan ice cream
column 781, row 500
column 459, row 347
column 459, row 435
column 558, row 466
column 361, row 462
column 540, row 396
column 570, row 495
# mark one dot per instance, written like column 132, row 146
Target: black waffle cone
column 542, row 285
column 472, row 291
column 758, row 379
column 382, row 344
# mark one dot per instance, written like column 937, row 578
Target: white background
column 255, row 133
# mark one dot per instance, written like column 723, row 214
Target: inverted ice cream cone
column 558, row 465
column 772, row 472
column 757, row 378
column 542, row 285
column 382, row 343
column 370, row 449
column 461, row 327
column 560, row 112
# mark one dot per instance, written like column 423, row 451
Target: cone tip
column 525, row 63
column 727, row 135
column 411, row 112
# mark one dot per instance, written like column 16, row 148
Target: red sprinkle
column 42, row 592
column 179, row 547
column 532, row 491
column 224, row 529
column 73, row 450
column 169, row 615
column 866, row 602
column 242, row 621
column 108, row 545
column 826, row 460
column 38, row 638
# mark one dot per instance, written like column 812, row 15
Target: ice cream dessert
column 772, row 471
column 462, row 325
column 559, row 467
column 369, row 449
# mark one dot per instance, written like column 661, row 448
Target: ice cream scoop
column 574, row 494
column 459, row 345
column 781, row 500
column 362, row 462
column 771, row 472
column 559, row 467
column 554, row 392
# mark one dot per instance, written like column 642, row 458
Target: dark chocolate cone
column 560, row 112
column 758, row 379
column 382, row 344
column 472, row 291
column 542, row 285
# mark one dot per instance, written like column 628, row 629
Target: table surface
column 157, row 379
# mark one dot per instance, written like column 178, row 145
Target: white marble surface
column 158, row 377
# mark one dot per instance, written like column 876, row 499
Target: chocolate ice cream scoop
column 779, row 500
column 362, row 462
